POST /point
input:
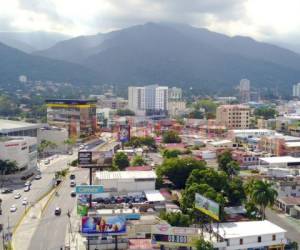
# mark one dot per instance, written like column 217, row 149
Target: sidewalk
column 28, row 224
column 73, row 238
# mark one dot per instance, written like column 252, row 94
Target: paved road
column 38, row 188
column 51, row 232
column 293, row 230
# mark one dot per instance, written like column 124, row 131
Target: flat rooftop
column 7, row 126
column 246, row 229
column 280, row 159
column 70, row 101
column 119, row 175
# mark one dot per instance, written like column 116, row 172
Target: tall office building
column 244, row 90
column 296, row 90
column 148, row 100
column 233, row 116
column 78, row 116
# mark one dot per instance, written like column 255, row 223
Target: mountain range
column 171, row 54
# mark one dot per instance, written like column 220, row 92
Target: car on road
column 24, row 201
column 57, row 211
column 72, row 177
column 27, row 183
column 47, row 162
column 72, row 183
column 73, row 194
column 17, row 196
column 6, row 191
column 27, row 189
column 38, row 177
column 13, row 208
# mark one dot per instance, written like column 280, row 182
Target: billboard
column 110, row 225
column 82, row 204
column 207, row 206
column 124, row 133
column 89, row 189
column 84, row 158
column 174, row 236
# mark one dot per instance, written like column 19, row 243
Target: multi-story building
column 244, row 90
column 17, row 128
column 233, row 116
column 296, row 90
column 175, row 94
column 78, row 116
column 176, row 108
column 22, row 150
column 149, row 100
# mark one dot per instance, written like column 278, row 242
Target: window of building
column 273, row 237
column 259, row 239
column 241, row 242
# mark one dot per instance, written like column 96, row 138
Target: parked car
column 38, row 177
column 24, row 202
column 6, row 191
column 72, row 183
column 17, row 196
column 13, row 208
column 27, row 189
column 73, row 194
column 27, row 183
column 72, row 177
column 47, row 162
column 57, row 211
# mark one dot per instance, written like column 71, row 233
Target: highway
column 51, row 232
column 38, row 188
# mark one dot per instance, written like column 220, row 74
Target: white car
column 13, row 208
column 47, row 162
column 24, row 202
column 17, row 196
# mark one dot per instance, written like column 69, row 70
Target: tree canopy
column 8, row 166
column 178, row 170
column 171, row 136
column 171, row 153
column 265, row 112
column 176, row 219
column 125, row 112
column 120, row 161
column 138, row 161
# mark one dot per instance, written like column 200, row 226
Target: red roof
column 139, row 168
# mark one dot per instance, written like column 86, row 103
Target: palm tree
column 263, row 194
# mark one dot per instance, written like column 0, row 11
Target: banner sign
column 174, row 236
column 82, row 204
column 110, row 225
column 207, row 206
column 87, row 189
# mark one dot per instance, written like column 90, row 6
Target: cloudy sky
column 267, row 20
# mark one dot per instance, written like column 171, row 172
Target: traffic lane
column 51, row 231
column 292, row 232
column 38, row 188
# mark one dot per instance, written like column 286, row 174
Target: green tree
column 70, row 142
column 125, row 112
column 44, row 146
column 235, row 193
column 120, row 160
column 178, row 170
column 223, row 160
column 208, row 106
column 138, row 161
column 232, row 168
column 137, row 142
column 263, row 194
column 171, row 137
column 202, row 244
column 171, row 153
column 8, row 167
column 265, row 112
column 176, row 219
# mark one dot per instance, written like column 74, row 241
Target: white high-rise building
column 296, row 90
column 175, row 94
column 244, row 90
column 148, row 100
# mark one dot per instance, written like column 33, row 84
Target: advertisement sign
column 84, row 158
column 207, row 206
column 87, row 189
column 124, row 133
column 110, row 225
column 82, row 204
column 174, row 236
